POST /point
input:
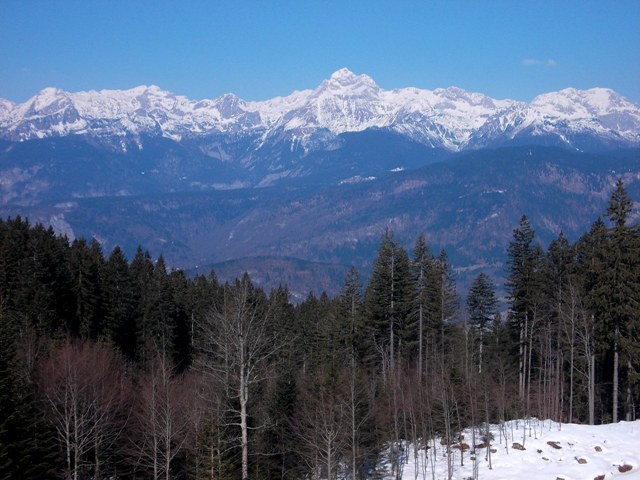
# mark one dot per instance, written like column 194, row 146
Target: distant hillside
column 300, row 276
column 468, row 205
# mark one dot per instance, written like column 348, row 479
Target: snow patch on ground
column 585, row 452
column 356, row 179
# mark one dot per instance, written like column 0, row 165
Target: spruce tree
column 623, row 265
column 593, row 290
column 559, row 313
column 388, row 300
column 423, row 306
column 87, row 266
column 349, row 305
column 443, row 291
column 523, row 263
column 349, row 312
column 482, row 306
column 120, row 297
column 158, row 312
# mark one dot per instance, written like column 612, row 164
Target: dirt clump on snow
column 461, row 446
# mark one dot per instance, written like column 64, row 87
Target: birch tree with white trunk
column 236, row 343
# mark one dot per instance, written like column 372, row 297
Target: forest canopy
column 122, row 368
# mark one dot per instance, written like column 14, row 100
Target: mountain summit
column 346, row 82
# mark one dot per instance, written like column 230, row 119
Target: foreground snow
column 552, row 451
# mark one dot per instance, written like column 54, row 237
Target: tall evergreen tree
column 87, row 267
column 120, row 297
column 623, row 280
column 523, row 258
column 388, row 301
column 591, row 252
column 443, row 290
column 482, row 306
column 349, row 312
column 558, row 335
column 180, row 289
column 313, row 331
column 424, row 307
column 159, row 311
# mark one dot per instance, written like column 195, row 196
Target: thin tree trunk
column 420, row 335
column 154, row 425
column 592, row 387
column 528, row 377
column 480, row 359
column 96, row 463
column 353, row 415
column 76, row 450
column 68, row 445
column 392, row 315
column 629, row 415
column 244, row 393
column 522, row 357
column 167, row 459
column 329, row 458
column 616, row 362
column 573, row 322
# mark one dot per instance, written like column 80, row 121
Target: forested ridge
column 116, row 368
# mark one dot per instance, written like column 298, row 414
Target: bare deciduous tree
column 236, row 343
column 86, row 395
column 322, row 423
column 162, row 417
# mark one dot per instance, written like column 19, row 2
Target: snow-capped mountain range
column 451, row 119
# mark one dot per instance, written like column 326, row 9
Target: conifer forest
column 123, row 368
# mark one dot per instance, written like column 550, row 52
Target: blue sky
column 260, row 49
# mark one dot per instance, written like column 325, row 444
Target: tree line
column 112, row 368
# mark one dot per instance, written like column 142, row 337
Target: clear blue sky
column 260, row 49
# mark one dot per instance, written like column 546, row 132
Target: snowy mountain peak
column 140, row 90
column 344, row 81
column 5, row 105
column 345, row 76
column 595, row 101
column 49, row 92
column 47, row 97
column 230, row 105
column 155, row 89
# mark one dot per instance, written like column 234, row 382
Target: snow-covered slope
column 598, row 113
column 451, row 118
column 550, row 451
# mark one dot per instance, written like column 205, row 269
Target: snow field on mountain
column 553, row 451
